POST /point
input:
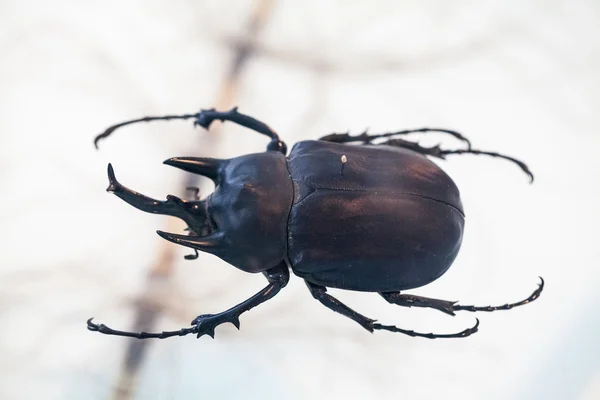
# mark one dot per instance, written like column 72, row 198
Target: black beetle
column 373, row 217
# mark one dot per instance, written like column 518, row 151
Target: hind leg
column 320, row 293
column 366, row 138
column 434, row 151
column 449, row 307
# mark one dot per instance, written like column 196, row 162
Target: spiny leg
column 278, row 278
column 437, row 152
column 520, row 163
column 461, row 334
column 108, row 131
column 320, row 293
column 193, row 213
column 204, row 118
column 449, row 307
column 409, row 300
column 366, row 138
column 531, row 298
column 205, row 324
column 138, row 335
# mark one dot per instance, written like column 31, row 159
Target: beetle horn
column 193, row 213
column 210, row 243
column 209, row 167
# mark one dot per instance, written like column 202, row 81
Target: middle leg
column 320, row 293
column 434, row 151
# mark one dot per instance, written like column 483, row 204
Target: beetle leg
column 204, row 118
column 531, row 298
column 366, row 138
column 205, row 324
column 461, row 334
column 108, row 131
column 138, row 335
column 320, row 293
column 192, row 213
column 436, row 151
column 278, row 278
column 448, row 307
column 409, row 300
column 520, row 163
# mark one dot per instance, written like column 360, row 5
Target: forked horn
column 193, row 213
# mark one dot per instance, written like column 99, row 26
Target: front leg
column 204, row 118
column 278, row 278
column 205, row 324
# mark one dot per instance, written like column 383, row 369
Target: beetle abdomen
column 389, row 220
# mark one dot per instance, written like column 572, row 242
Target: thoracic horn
column 208, row 167
column 210, row 244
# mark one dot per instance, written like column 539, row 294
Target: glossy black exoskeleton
column 376, row 216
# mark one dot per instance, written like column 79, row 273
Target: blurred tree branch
column 159, row 274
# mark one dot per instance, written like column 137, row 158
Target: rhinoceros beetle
column 368, row 213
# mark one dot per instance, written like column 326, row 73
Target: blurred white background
column 519, row 77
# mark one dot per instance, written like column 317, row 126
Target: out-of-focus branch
column 159, row 273
column 363, row 63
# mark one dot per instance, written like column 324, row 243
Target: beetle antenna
column 113, row 128
column 520, row 163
